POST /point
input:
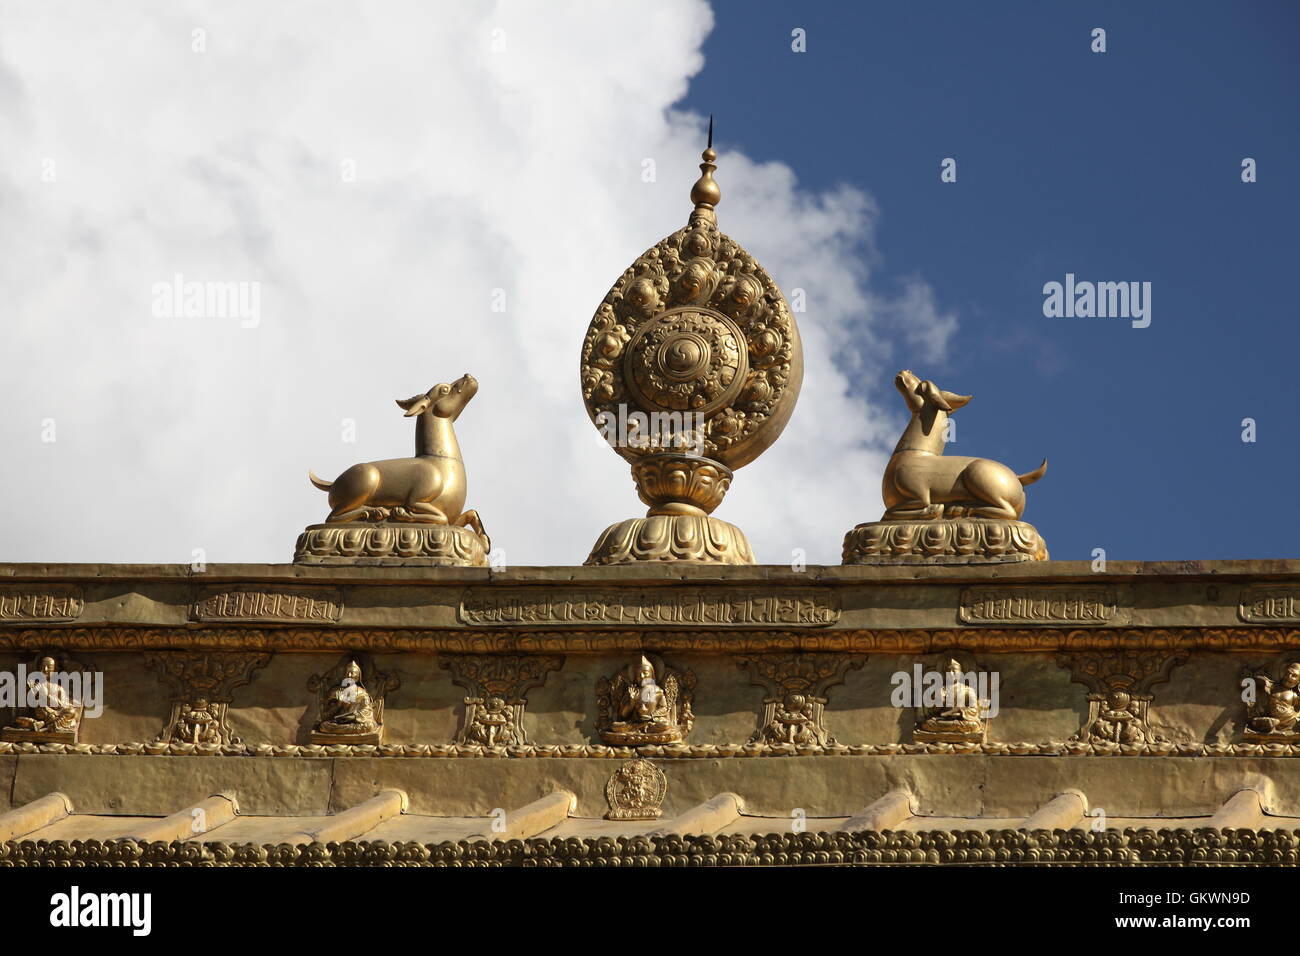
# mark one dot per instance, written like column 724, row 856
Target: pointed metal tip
column 710, row 131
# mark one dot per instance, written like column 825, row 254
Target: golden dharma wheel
column 694, row 348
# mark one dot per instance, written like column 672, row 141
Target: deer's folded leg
column 913, row 510
column 426, row 513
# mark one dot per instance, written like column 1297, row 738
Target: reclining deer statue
column 429, row 488
column 921, row 483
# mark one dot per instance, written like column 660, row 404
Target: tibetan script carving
column 813, row 607
column 269, row 604
column 1270, row 605
column 1067, row 605
column 42, row 603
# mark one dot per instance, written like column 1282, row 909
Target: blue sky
column 1115, row 166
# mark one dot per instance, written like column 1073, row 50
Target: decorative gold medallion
column 690, row 369
column 636, row 791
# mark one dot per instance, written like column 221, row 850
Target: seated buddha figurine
column 958, row 716
column 53, row 711
column 347, row 710
column 640, row 710
column 1276, row 708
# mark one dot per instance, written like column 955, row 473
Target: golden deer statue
column 921, row 482
column 429, row 488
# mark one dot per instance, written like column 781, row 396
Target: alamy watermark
column 1101, row 300
column 52, row 689
column 934, row 690
column 666, row 431
column 179, row 299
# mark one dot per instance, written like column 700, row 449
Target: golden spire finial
column 705, row 193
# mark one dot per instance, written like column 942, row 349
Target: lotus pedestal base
column 693, row 539
column 944, row 541
column 388, row 544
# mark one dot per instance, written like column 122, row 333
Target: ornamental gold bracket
column 1119, row 699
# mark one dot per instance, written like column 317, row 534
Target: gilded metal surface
column 1270, row 605
column 696, row 349
column 1120, row 683
column 388, row 545
column 1080, row 605
column 944, row 541
column 794, row 710
column 689, row 538
column 202, row 687
column 1273, row 706
column 944, row 509
column 442, row 751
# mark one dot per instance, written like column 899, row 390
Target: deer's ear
column 932, row 394
column 415, row 405
column 954, row 400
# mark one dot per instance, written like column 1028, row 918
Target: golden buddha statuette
column 51, row 716
column 348, row 713
column 649, row 703
column 959, row 715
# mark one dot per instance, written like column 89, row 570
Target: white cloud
column 477, row 169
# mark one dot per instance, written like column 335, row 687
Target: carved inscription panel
column 1080, row 606
column 269, row 604
column 661, row 607
column 1276, row 605
column 23, row 604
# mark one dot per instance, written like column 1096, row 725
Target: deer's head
column 925, row 399
column 918, row 393
column 443, row 401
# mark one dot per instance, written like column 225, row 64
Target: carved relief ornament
column 498, row 686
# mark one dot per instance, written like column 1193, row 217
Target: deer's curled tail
column 324, row 485
column 1028, row 479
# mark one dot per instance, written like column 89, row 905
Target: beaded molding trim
column 1127, row 847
